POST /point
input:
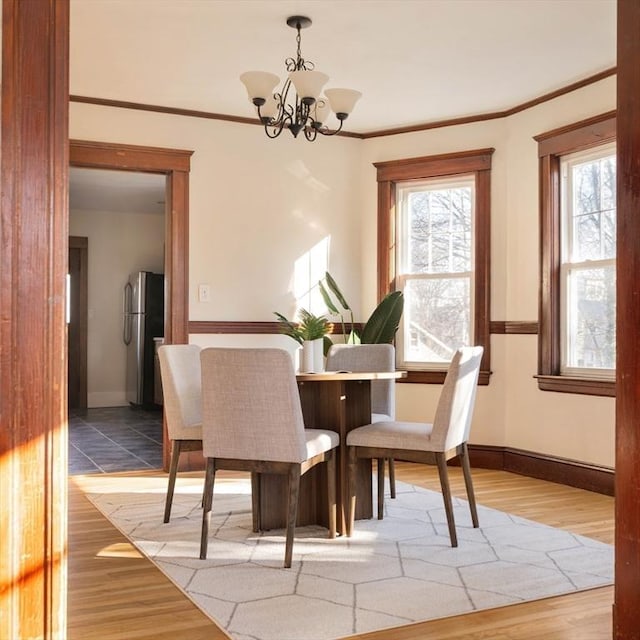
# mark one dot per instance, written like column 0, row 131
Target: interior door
column 77, row 322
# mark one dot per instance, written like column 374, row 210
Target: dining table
column 339, row 401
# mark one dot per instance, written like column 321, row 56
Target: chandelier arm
column 329, row 132
column 310, row 133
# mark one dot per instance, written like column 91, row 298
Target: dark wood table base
column 337, row 405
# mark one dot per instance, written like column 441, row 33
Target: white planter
column 312, row 360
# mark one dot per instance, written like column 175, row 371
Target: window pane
column 593, row 214
column 439, row 224
column 591, row 305
column 436, row 318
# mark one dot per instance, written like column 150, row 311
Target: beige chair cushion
column 181, row 390
column 319, row 440
column 393, row 435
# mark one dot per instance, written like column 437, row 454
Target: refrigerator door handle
column 126, row 329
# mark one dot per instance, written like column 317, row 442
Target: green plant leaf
column 331, row 283
column 311, row 326
column 289, row 328
column 353, row 338
column 384, row 321
column 327, row 299
column 327, row 343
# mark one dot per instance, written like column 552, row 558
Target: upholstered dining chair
column 371, row 357
column 181, row 388
column 433, row 443
column 252, row 421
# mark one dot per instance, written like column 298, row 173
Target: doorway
column 77, row 322
column 174, row 165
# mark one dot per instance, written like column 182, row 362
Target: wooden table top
column 350, row 375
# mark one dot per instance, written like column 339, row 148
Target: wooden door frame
column 33, row 358
column 81, row 244
column 626, row 613
column 175, row 164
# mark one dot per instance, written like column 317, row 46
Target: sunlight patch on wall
column 309, row 269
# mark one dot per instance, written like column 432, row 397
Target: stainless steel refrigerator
column 143, row 321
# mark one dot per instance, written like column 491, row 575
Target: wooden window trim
column 552, row 145
column 476, row 162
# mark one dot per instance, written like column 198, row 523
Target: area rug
column 392, row 572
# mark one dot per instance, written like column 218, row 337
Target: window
column 578, row 258
column 433, row 244
column 434, row 269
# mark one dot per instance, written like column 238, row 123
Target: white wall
column 119, row 244
column 258, row 205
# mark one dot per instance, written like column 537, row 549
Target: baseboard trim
column 544, row 467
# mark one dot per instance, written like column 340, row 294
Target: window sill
column 584, row 386
column 437, row 377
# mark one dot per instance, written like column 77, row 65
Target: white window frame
column 403, row 277
column 567, row 265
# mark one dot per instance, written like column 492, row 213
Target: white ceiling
column 415, row 61
column 116, row 191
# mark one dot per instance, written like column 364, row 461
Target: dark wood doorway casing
column 33, row 359
column 626, row 612
column 77, row 325
column 175, row 165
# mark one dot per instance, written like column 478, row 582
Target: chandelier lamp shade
column 300, row 104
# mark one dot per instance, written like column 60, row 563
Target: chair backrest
column 452, row 421
column 251, row 406
column 181, row 390
column 368, row 357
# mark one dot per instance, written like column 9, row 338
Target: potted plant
column 310, row 332
column 383, row 323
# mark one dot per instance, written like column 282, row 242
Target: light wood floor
column 114, row 593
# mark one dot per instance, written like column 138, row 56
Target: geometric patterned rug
column 392, row 572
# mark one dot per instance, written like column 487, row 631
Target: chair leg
column 331, row 492
column 380, row 488
column 173, row 470
column 468, row 482
column 351, row 484
column 392, row 477
column 446, row 495
column 292, row 512
column 209, row 480
column 255, row 501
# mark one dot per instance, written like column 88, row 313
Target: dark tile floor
column 114, row 439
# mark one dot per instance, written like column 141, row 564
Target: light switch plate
column 204, row 293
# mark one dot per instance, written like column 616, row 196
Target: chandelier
column 301, row 107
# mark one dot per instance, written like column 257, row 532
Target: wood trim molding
column 245, row 327
column 626, row 613
column 434, row 166
column 586, row 386
column 437, row 377
column 176, row 111
column 127, row 157
column 232, row 327
column 572, row 473
column 33, row 266
column 513, row 327
column 578, row 135
column 449, row 122
column 509, row 327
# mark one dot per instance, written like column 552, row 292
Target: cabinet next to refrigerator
column 143, row 321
